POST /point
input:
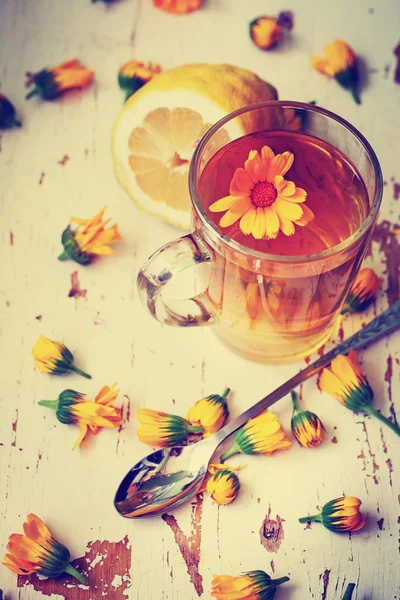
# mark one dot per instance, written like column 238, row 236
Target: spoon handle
column 379, row 327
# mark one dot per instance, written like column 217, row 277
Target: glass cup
column 265, row 307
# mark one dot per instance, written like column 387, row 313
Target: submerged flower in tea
column 306, row 426
column 345, row 382
column 340, row 62
column 54, row 357
column 262, row 199
column 223, row 486
column 363, row 291
column 52, row 83
column 341, row 514
column 8, row 116
column 261, row 435
column 263, row 292
column 265, row 32
column 210, row 413
column 134, row 74
column 178, row 7
column 89, row 240
column 38, row 552
column 253, row 585
column 158, row 428
column 71, row 408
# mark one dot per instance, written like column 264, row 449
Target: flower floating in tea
column 71, row 408
column 340, row 62
column 178, row 7
column 265, row 32
column 54, row 357
column 38, row 552
column 306, row 426
column 253, row 584
column 261, row 435
column 363, row 291
column 210, row 413
column 51, row 83
column 134, row 74
column 8, row 117
column 158, row 428
column 341, row 514
column 345, row 382
column 89, row 240
column 262, row 199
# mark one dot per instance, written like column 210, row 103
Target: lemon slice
column 159, row 127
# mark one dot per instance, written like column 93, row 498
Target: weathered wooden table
column 58, row 165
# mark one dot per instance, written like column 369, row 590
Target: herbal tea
column 295, row 209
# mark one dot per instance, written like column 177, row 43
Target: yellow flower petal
column 241, row 206
column 271, row 223
column 241, row 183
column 229, row 219
column 247, row 221
column 308, row 216
column 298, row 194
column 343, row 368
column 279, row 165
column 322, row 65
column 222, row 204
column 285, row 225
column 288, row 210
column 259, row 224
column 331, row 384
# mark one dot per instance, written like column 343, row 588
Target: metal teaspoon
column 169, row 477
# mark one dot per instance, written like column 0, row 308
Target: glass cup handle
column 171, row 259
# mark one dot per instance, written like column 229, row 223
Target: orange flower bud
column 265, row 32
column 340, row 63
column 52, row 83
column 134, row 74
column 341, row 514
column 363, row 292
column 178, row 7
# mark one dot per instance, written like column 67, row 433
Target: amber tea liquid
column 266, row 306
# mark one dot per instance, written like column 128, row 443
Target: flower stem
column 355, row 95
column 195, row 429
column 49, row 403
column 31, row 93
column 296, row 406
column 372, row 411
column 280, row 580
column 80, row 372
column 234, row 449
column 63, row 256
column 310, row 519
column 226, row 392
column 71, row 571
column 349, row 591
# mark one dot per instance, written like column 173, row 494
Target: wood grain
column 57, row 166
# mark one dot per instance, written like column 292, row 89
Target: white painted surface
column 159, row 367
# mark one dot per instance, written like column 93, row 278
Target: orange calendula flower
column 265, row 32
column 341, row 514
column 261, row 435
column 210, row 413
column 363, row 292
column 89, row 240
column 253, row 585
column 345, row 382
column 223, row 486
column 158, row 428
column 306, row 426
column 134, row 74
column 71, row 408
column 340, row 63
column 178, row 7
column 38, row 552
column 54, row 357
column 52, row 83
column 8, row 116
column 262, row 199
